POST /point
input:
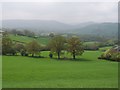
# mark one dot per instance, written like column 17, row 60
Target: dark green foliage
column 22, row 33
column 57, row 45
column 74, row 46
column 33, row 48
column 7, row 46
column 19, row 47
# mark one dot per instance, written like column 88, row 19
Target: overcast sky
column 67, row 12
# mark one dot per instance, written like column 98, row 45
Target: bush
column 115, row 57
column 111, row 54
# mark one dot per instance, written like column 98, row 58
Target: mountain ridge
column 93, row 28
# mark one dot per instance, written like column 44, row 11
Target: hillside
column 37, row 25
column 102, row 29
column 25, row 39
column 44, row 26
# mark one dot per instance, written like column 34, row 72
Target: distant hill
column 38, row 25
column 105, row 29
column 42, row 25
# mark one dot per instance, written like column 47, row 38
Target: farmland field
column 59, row 45
column 85, row 72
column 25, row 39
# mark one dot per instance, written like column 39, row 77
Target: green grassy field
column 105, row 48
column 25, row 39
column 90, row 43
column 86, row 72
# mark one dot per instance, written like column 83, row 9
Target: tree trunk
column 32, row 55
column 73, row 55
column 58, row 55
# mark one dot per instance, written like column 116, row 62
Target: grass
column 25, row 39
column 90, row 43
column 105, row 48
column 86, row 72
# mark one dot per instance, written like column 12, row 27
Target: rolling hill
column 38, row 26
column 101, row 29
column 24, row 39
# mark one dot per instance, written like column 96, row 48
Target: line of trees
column 73, row 45
column 22, row 33
column 57, row 44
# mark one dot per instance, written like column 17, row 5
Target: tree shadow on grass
column 81, row 59
column 36, row 56
column 70, row 59
column 61, row 59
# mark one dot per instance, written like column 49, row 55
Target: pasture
column 85, row 72
column 25, row 39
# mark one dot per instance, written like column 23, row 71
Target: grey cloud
column 64, row 12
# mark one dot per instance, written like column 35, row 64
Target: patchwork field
column 85, row 72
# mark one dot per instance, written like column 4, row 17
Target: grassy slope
column 25, row 39
column 90, row 43
column 88, row 71
column 105, row 48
